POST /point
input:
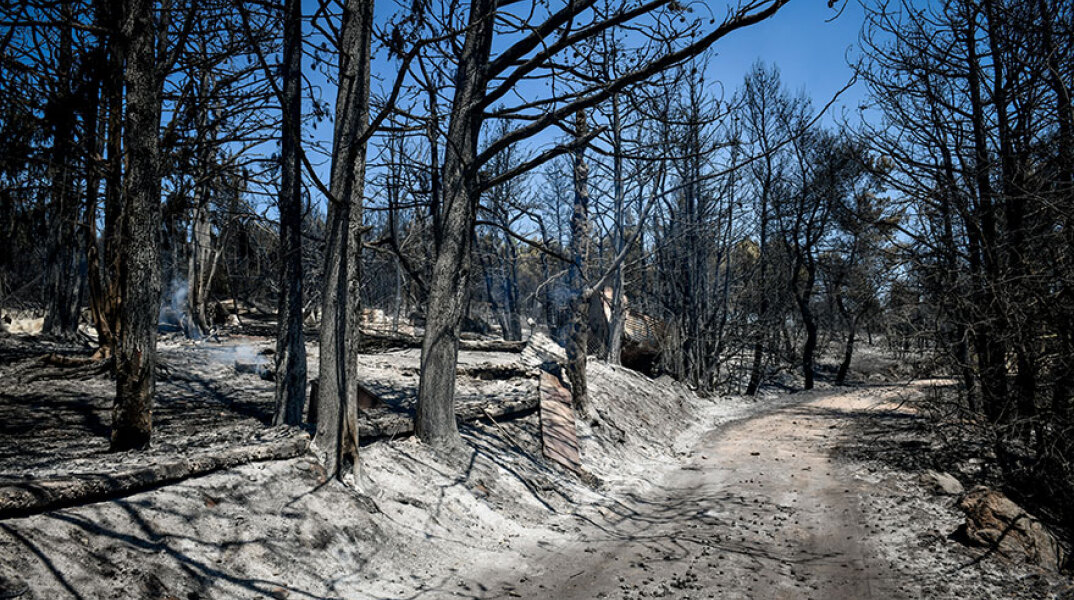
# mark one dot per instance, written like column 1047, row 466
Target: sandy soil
column 698, row 498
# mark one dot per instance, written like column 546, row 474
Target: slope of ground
column 750, row 499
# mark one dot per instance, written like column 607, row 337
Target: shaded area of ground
column 58, row 426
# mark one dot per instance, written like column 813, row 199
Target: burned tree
column 337, row 423
column 578, row 326
column 542, row 40
column 140, row 276
column 290, row 340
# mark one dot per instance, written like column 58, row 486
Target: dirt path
column 758, row 510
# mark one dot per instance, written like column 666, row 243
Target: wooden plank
column 559, row 436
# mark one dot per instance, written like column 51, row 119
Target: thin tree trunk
column 848, row 354
column 991, row 351
column 140, row 274
column 93, row 125
column 810, row 346
column 200, row 258
column 804, row 298
column 617, row 322
column 199, row 268
column 290, row 342
column 762, row 279
column 578, row 339
column 103, row 259
column 63, row 281
column 509, row 263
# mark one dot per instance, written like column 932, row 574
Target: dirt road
column 758, row 510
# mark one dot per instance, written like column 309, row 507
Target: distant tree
column 825, row 169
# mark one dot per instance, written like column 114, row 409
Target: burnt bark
column 988, row 339
column 848, row 355
column 64, row 282
column 617, row 321
column 201, row 266
column 103, row 254
column 450, row 284
column 290, row 342
column 140, row 273
column 578, row 336
column 337, row 425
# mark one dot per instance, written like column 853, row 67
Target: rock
column 943, row 483
column 993, row 520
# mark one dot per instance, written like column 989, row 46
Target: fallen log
column 492, row 345
column 20, row 499
column 382, row 341
column 487, row 371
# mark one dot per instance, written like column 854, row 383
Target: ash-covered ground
column 723, row 497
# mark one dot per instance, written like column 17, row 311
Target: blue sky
column 812, row 54
column 810, row 47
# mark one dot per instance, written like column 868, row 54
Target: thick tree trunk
column 578, row 338
column 140, row 275
column 337, row 427
column 449, row 289
column 290, row 342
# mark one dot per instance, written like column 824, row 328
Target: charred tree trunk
column 449, row 289
column 103, row 255
column 989, row 339
column 140, row 274
column 848, row 354
column 804, row 299
column 290, row 342
column 617, row 322
column 337, row 427
column 578, row 338
column 93, row 148
column 509, row 264
column 200, row 268
column 198, row 280
column 64, row 283
column 756, row 369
